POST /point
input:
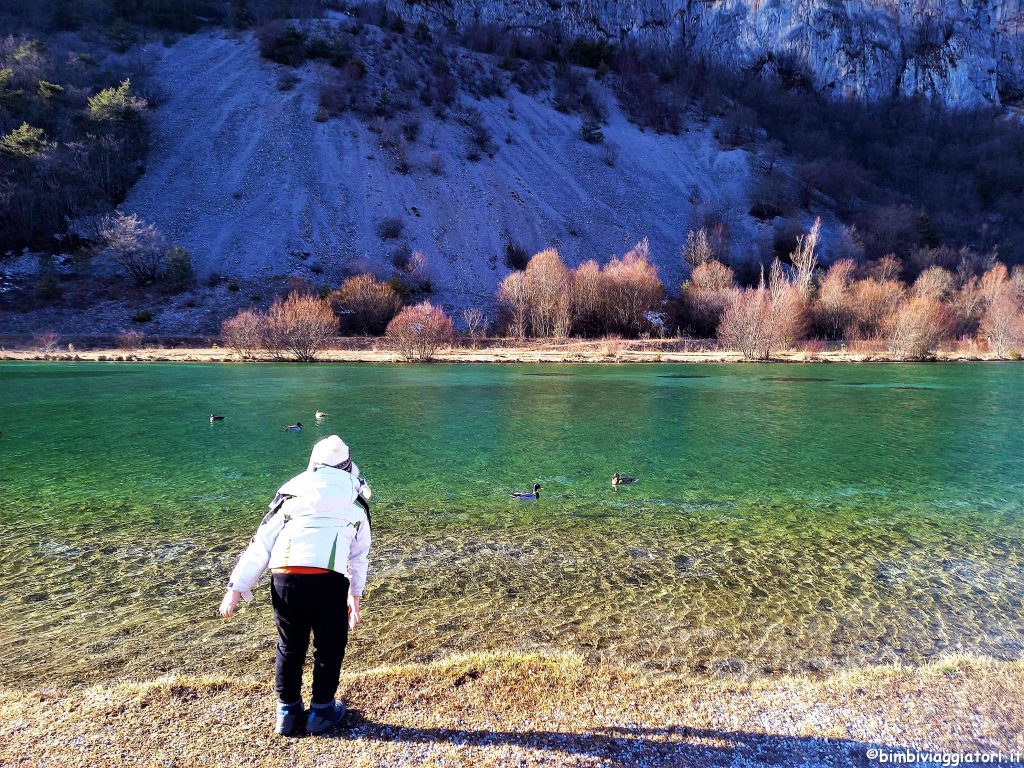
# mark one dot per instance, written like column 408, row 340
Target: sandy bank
column 378, row 350
column 498, row 710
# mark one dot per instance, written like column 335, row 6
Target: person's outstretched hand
column 353, row 612
column 229, row 603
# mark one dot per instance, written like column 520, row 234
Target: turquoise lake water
column 787, row 518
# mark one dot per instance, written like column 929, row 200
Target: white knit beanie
column 329, row 452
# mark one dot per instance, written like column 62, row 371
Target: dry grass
column 497, row 710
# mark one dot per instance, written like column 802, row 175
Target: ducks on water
column 321, row 415
column 215, row 417
column 618, row 479
column 296, row 427
column 526, row 495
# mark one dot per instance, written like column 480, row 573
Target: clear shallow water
column 787, row 518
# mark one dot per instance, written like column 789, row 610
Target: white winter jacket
column 314, row 521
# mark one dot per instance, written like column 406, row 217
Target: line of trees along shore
column 793, row 302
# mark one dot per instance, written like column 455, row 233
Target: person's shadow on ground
column 678, row 747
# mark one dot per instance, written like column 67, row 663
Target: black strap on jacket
column 366, row 508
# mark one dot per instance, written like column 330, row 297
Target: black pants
column 303, row 603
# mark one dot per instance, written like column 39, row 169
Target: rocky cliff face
column 963, row 53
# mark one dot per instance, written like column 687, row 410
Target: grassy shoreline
column 530, row 709
column 378, row 350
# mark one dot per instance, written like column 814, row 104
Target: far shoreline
column 377, row 350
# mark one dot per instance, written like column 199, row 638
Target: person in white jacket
column 316, row 542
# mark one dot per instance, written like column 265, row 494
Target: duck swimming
column 296, row 427
column 526, row 495
column 215, row 417
column 320, row 415
column 618, row 479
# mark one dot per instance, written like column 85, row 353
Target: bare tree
column 476, row 324
column 130, row 341
column 633, row 289
column 761, row 320
column 300, row 325
column 874, row 304
column 244, row 333
column 832, row 310
column 46, row 341
column 744, row 325
column 1002, row 325
column 787, row 318
column 934, row 282
column 514, row 297
column 805, row 258
column 135, row 245
column 918, row 327
column 588, row 299
column 548, row 283
column 698, row 248
column 886, row 268
column 707, row 294
column 421, row 330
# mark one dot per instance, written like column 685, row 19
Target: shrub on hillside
column 480, row 141
column 24, row 142
column 282, row 43
column 648, row 102
column 413, row 268
column 390, row 228
column 516, row 257
column 135, row 245
column 421, row 330
column 839, row 178
column 590, row 130
column 891, row 229
column 177, row 272
column 116, row 104
column 366, row 305
column 772, row 197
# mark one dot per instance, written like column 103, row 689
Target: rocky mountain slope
column 964, row 54
column 244, row 177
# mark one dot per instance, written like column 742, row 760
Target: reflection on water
column 773, row 528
